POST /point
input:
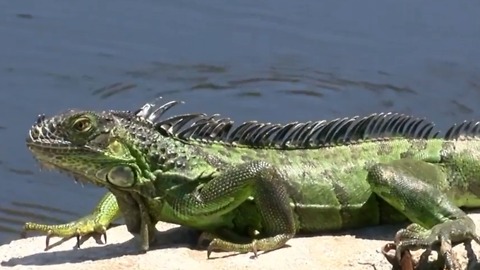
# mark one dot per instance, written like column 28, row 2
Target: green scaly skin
column 251, row 190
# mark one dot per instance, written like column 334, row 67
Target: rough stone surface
column 358, row 249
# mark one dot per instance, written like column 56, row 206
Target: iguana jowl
column 255, row 186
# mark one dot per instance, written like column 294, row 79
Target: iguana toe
column 97, row 236
column 222, row 245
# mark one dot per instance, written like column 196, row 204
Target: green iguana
column 253, row 187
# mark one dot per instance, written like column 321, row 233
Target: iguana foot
column 405, row 263
column 94, row 225
column 441, row 237
column 83, row 229
column 217, row 244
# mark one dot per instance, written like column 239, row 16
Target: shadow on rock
column 175, row 237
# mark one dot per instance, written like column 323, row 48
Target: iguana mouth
column 77, row 178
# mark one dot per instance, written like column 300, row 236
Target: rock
column 175, row 249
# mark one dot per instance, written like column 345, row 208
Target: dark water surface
column 272, row 61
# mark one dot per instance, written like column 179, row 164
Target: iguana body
column 255, row 187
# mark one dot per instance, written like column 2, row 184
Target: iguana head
column 92, row 146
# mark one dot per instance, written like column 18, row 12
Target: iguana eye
column 82, row 124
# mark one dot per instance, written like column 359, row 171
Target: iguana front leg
column 413, row 188
column 231, row 188
column 93, row 225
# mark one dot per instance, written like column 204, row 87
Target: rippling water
column 274, row 61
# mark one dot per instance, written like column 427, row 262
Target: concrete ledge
column 356, row 250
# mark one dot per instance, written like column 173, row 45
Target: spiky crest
column 200, row 127
column 465, row 130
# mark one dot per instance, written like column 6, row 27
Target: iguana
column 253, row 187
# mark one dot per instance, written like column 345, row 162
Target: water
column 274, row 61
